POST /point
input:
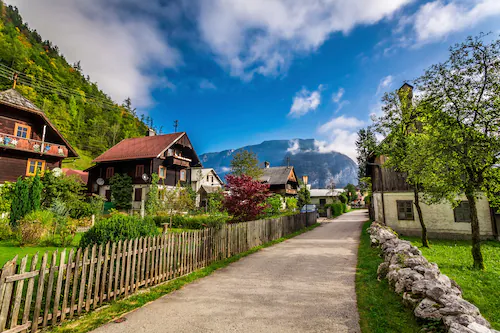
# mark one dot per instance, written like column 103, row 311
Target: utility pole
column 176, row 124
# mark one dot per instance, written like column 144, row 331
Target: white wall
column 438, row 218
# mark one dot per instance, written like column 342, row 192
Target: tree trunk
column 476, row 239
column 425, row 242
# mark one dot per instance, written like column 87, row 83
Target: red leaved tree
column 246, row 199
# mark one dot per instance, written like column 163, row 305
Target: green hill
column 85, row 115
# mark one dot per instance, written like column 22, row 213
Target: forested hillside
column 86, row 116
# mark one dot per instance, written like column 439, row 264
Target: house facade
column 321, row 197
column 29, row 142
column 171, row 156
column 393, row 205
column 205, row 181
column 282, row 180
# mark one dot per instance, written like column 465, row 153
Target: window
column 107, row 194
column 462, row 212
column 138, row 194
column 208, row 178
column 34, row 166
column 22, row 131
column 182, row 175
column 162, row 172
column 110, row 171
column 405, row 210
column 322, row 202
column 139, row 170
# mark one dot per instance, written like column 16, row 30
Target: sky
column 238, row 72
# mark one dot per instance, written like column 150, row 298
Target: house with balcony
column 29, row 142
column 204, row 182
column 282, row 180
column 171, row 156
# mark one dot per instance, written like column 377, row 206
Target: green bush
column 119, row 227
column 337, row 208
column 192, row 222
column 5, row 231
column 34, row 226
column 274, row 205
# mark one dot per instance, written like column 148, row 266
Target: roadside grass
column 10, row 248
column 115, row 309
column 482, row 288
column 380, row 309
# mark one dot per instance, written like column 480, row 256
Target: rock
column 435, row 292
column 478, row 328
column 410, row 300
column 428, row 309
column 454, row 305
column 445, row 280
column 382, row 270
column 480, row 320
column 457, row 328
column 415, row 261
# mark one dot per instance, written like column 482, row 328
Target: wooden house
column 28, row 140
column 171, row 156
column 282, row 180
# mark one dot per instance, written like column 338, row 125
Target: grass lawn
column 482, row 288
column 9, row 249
column 380, row 309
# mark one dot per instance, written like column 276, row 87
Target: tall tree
column 351, row 192
column 463, row 111
column 303, row 196
column 246, row 163
column 365, row 144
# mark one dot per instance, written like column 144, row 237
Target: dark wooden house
column 28, row 140
column 171, row 156
column 282, row 180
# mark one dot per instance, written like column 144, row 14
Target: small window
column 22, row 131
column 462, row 212
column 212, row 178
column 107, row 194
column 138, row 194
column 322, row 202
column 405, row 210
column 139, row 170
column 110, row 171
column 162, row 172
column 35, row 166
column 208, row 178
column 182, row 175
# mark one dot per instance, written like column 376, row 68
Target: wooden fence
column 48, row 293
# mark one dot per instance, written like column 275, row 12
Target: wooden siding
column 13, row 164
column 386, row 179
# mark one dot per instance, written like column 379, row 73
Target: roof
column 137, row 148
column 14, row 99
column 84, row 176
column 325, row 192
column 211, row 189
column 206, row 171
column 276, row 175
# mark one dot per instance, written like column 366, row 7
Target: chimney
column 267, row 164
column 305, row 179
column 151, row 132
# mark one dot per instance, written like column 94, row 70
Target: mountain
column 85, row 115
column 321, row 168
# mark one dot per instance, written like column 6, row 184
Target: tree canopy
column 246, row 163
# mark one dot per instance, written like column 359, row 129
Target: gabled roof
column 137, row 148
column 15, row 100
column 276, row 175
column 84, row 176
column 325, row 192
column 206, row 171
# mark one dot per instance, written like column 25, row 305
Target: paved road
column 305, row 284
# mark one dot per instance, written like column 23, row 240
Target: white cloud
column 342, row 122
column 305, row 101
column 342, row 141
column 263, row 36
column 385, row 83
column 337, row 96
column 207, row 85
column 435, row 20
column 114, row 51
column 225, row 169
column 293, row 146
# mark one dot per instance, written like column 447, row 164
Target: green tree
column 121, row 190
column 303, row 196
column 291, row 203
column 351, row 192
column 462, row 110
column 246, row 163
column 176, row 201
column 152, row 199
column 274, row 205
column 36, row 193
column 366, row 143
column 215, row 202
column 21, row 204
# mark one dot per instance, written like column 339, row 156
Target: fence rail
column 48, row 293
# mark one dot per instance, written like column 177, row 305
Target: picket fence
column 47, row 294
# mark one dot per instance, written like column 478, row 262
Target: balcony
column 34, row 146
column 291, row 191
column 178, row 160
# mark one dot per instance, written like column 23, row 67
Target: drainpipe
column 43, row 139
column 494, row 224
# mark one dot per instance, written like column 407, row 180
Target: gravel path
column 305, row 284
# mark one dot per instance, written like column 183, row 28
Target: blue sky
column 237, row 72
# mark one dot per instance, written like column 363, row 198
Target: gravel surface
column 305, row 284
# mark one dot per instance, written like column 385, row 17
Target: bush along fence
column 47, row 293
column 433, row 296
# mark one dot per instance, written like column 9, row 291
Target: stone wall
column 432, row 295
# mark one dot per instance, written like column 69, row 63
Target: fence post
column 6, row 291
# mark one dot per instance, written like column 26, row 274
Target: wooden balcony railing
column 179, row 160
column 14, row 142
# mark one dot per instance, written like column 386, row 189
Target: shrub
column 119, row 227
column 121, row 191
column 337, row 208
column 246, row 197
column 343, row 198
column 291, row 203
column 192, row 222
column 5, row 231
column 274, row 205
column 34, row 226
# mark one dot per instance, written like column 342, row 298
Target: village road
column 305, row 284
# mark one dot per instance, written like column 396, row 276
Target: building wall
column 438, row 218
column 315, row 200
column 14, row 163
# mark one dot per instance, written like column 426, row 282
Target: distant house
column 28, row 140
column 204, row 182
column 321, row 197
column 171, row 156
column 282, row 180
column 83, row 176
